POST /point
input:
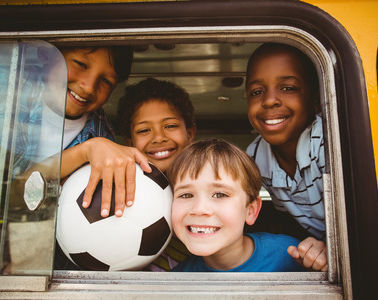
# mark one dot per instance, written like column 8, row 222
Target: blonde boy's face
column 279, row 98
column 159, row 132
column 208, row 214
column 91, row 79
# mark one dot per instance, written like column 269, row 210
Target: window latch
column 35, row 190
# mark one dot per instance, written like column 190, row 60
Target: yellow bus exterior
column 360, row 18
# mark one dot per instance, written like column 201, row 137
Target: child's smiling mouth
column 197, row 229
column 161, row 154
column 274, row 121
column 77, row 97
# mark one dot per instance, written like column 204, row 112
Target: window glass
column 33, row 80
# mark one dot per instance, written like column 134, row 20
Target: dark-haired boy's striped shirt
column 301, row 196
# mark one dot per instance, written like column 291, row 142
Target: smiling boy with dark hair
column 283, row 102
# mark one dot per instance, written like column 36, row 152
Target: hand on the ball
column 310, row 253
column 112, row 161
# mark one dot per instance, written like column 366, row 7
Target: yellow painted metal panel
column 50, row 2
column 360, row 18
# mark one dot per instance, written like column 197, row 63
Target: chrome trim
column 24, row 283
column 6, row 133
column 190, row 277
column 146, row 285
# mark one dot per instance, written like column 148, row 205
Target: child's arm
column 108, row 161
column 310, row 253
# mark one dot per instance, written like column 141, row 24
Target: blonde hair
column 218, row 153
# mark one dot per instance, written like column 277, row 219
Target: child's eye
column 185, row 195
column 255, row 92
column 289, row 88
column 142, row 131
column 80, row 64
column 219, row 195
column 170, row 126
column 107, row 82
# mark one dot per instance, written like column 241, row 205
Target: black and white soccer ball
column 115, row 243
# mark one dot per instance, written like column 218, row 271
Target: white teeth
column 274, row 121
column 162, row 153
column 77, row 97
column 206, row 230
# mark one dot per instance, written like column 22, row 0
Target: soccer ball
column 115, row 243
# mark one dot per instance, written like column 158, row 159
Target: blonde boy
column 216, row 188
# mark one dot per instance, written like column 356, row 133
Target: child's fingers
column 320, row 263
column 107, row 187
column 305, row 245
column 311, row 254
column 293, row 252
column 142, row 161
column 94, row 178
column 316, row 256
column 130, row 183
column 310, row 257
column 120, row 190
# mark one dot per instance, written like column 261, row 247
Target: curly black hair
column 151, row 88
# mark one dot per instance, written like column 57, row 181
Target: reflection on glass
column 33, row 79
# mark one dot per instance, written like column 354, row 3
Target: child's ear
column 253, row 210
column 191, row 132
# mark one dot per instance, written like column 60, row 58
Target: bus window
column 33, row 88
column 213, row 74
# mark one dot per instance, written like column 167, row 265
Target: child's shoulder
column 264, row 238
column 311, row 143
column 267, row 244
column 259, row 147
column 270, row 253
column 317, row 127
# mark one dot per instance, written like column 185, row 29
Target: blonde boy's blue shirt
column 269, row 255
column 301, row 196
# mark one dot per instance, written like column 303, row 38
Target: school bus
column 202, row 46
